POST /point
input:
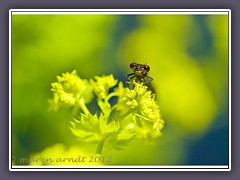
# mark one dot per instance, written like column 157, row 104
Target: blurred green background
column 188, row 57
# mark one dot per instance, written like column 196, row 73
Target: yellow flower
column 102, row 85
column 136, row 113
column 144, row 108
column 69, row 90
column 119, row 90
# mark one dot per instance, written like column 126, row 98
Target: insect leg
column 130, row 76
column 148, row 79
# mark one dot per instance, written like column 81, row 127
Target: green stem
column 110, row 96
column 142, row 117
column 83, row 106
column 126, row 114
column 75, row 110
column 137, row 121
column 100, row 146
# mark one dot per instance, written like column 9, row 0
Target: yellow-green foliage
column 134, row 114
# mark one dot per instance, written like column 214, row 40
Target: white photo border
column 128, row 12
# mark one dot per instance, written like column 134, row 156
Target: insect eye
column 132, row 65
column 146, row 68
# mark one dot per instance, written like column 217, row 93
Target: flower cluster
column 141, row 105
column 102, row 85
column 135, row 114
column 70, row 90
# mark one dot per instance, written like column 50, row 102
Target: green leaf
column 113, row 126
column 105, row 107
column 126, row 135
column 105, row 128
column 85, row 136
column 89, row 121
column 121, row 139
column 87, row 128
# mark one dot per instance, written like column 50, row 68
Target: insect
column 140, row 74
